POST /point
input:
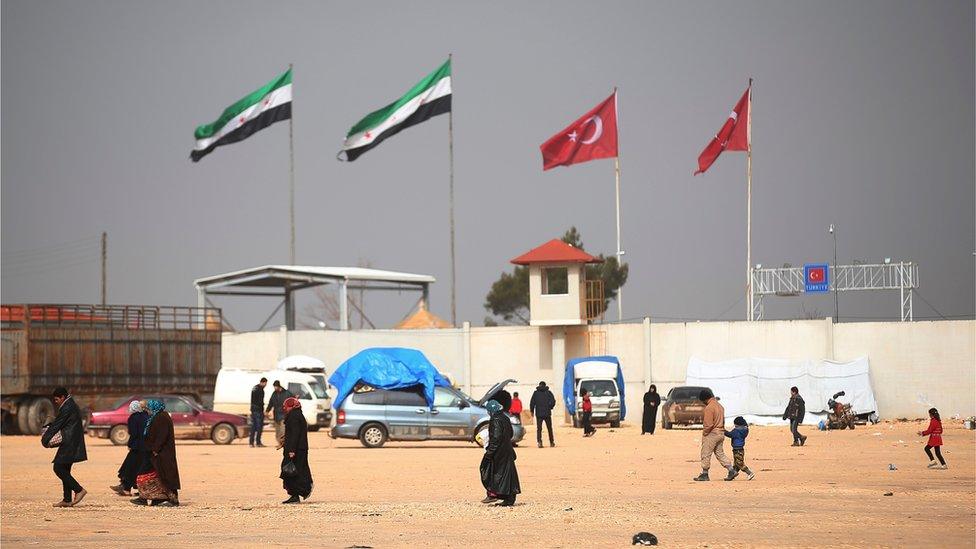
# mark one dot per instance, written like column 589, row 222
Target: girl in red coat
column 934, row 433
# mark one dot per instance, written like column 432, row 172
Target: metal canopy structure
column 789, row 281
column 284, row 280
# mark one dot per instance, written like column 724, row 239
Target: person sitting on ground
column 738, row 435
column 794, row 412
column 934, row 433
column 587, row 406
column 713, row 436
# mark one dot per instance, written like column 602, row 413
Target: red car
column 190, row 421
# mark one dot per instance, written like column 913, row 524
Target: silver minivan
column 377, row 415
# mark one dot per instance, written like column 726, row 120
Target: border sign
column 816, row 278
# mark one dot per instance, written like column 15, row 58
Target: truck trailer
column 102, row 353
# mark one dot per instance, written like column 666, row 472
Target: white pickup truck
column 599, row 378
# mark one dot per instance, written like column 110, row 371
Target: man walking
column 72, row 449
column 257, row 412
column 713, row 436
column 794, row 412
column 540, row 406
column 275, row 406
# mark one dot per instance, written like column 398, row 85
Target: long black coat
column 652, row 401
column 68, row 421
column 161, row 443
column 296, row 440
column 498, row 472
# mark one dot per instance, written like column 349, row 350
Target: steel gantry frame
column 789, row 281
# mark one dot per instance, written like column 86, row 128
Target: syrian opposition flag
column 592, row 136
column 430, row 97
column 735, row 135
column 269, row 104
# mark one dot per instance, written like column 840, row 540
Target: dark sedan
column 190, row 421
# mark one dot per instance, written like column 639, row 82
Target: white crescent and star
column 597, row 131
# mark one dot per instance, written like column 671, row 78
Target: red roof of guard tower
column 555, row 251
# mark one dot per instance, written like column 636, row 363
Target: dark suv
column 682, row 407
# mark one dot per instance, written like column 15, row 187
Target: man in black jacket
column 275, row 407
column 794, row 412
column 257, row 412
column 72, row 449
column 541, row 406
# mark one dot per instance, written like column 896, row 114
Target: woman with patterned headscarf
column 137, row 457
column 498, row 473
column 299, row 484
column 161, row 444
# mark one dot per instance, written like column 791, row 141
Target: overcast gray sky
column 863, row 117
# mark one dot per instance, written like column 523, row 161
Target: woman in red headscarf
column 299, row 484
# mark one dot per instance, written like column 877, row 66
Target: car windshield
column 118, row 403
column 318, row 389
column 599, row 387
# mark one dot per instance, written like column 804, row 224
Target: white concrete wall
column 912, row 364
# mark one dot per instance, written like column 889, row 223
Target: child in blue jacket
column 738, row 436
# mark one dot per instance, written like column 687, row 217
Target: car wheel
column 373, row 435
column 222, row 434
column 41, row 412
column 615, row 424
column 119, row 435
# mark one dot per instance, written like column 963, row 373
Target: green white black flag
column 261, row 108
column 430, row 97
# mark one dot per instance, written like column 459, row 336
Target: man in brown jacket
column 713, row 436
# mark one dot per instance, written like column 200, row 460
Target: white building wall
column 912, row 364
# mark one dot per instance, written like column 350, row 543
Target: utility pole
column 832, row 280
column 104, row 265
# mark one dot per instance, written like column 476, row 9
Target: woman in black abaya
column 652, row 401
column 498, row 473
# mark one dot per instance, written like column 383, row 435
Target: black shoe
column 506, row 503
column 540, row 445
column 293, row 499
column 732, row 474
column 169, row 503
column 552, row 444
column 489, row 499
column 803, row 440
column 138, row 501
column 702, row 477
column 259, row 445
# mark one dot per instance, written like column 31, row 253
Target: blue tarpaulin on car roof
column 387, row 368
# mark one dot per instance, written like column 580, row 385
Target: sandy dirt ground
column 597, row 491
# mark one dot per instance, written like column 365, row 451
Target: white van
column 599, row 378
column 232, row 393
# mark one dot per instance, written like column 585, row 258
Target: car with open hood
column 375, row 416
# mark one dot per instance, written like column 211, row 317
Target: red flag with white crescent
column 592, row 136
column 734, row 135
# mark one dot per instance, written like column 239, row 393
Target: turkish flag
column 734, row 135
column 592, row 136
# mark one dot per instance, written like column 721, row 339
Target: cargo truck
column 102, row 353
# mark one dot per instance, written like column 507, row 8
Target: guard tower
column 559, row 293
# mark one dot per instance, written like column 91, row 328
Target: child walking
column 738, row 435
column 934, row 433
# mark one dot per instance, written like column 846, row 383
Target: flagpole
column 616, row 169
column 450, row 147
column 751, row 315
column 291, row 174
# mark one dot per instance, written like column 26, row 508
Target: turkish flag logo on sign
column 816, row 275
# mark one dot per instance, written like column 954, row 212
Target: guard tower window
column 555, row 281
